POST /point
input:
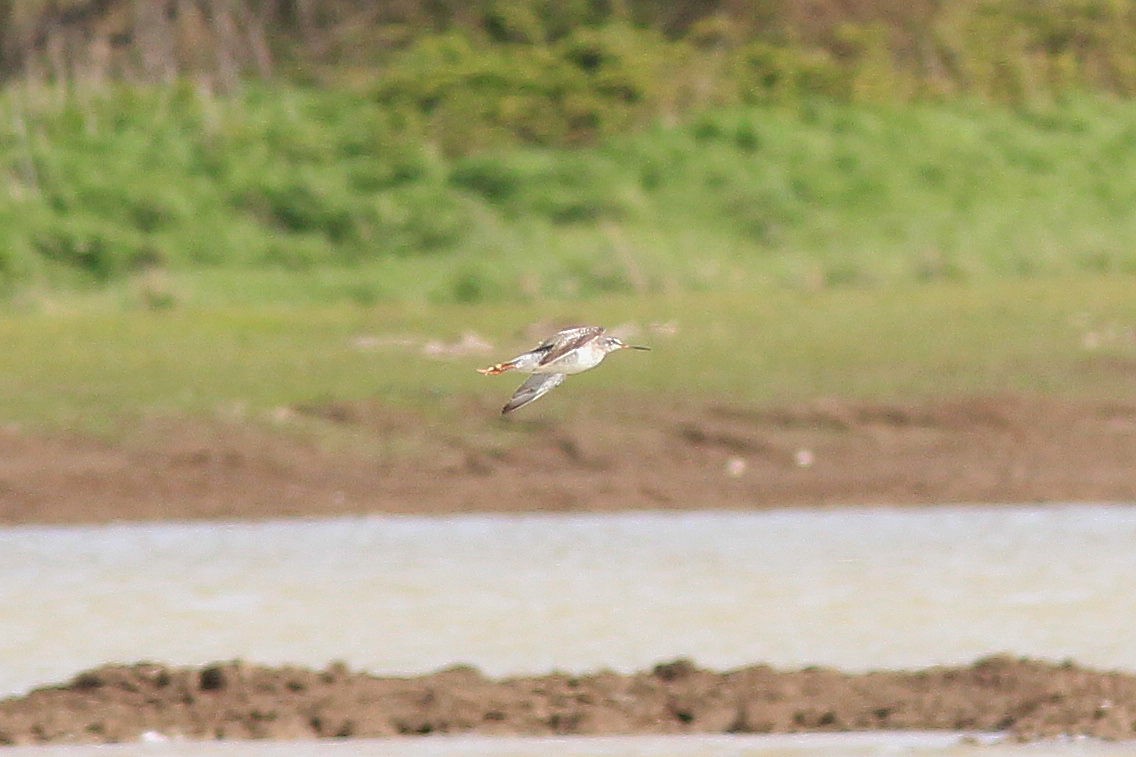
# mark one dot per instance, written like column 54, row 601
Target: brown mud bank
column 1024, row 699
column 638, row 453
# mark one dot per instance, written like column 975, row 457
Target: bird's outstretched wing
column 537, row 385
column 566, row 341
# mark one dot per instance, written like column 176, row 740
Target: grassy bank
column 97, row 371
column 175, row 198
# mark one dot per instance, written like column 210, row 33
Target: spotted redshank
column 550, row 362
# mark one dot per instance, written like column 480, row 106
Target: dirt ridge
column 1026, row 699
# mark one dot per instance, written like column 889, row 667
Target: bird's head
column 613, row 343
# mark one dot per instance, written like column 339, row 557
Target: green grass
column 99, row 371
column 282, row 195
column 174, row 254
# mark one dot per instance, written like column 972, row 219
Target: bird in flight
column 569, row 351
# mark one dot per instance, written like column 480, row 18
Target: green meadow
column 175, row 198
column 99, row 371
column 169, row 252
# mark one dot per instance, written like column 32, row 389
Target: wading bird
column 550, row 362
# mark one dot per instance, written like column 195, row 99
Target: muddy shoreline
column 367, row 457
column 1024, row 699
column 337, row 458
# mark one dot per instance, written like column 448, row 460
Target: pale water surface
column 854, row 588
column 798, row 745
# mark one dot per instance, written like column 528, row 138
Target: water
column 797, row 745
column 857, row 589
column 853, row 588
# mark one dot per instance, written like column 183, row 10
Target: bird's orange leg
column 493, row 370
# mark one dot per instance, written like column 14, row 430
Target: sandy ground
column 339, row 458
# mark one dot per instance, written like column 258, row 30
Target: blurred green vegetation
column 172, row 195
column 888, row 198
column 582, row 57
column 100, row 372
column 518, row 149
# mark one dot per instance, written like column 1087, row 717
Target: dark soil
column 1025, row 699
column 361, row 458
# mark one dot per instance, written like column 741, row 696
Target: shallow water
column 857, row 589
column 793, row 745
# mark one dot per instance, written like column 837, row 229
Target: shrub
column 92, row 246
column 563, row 188
column 590, row 83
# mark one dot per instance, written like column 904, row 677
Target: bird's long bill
column 636, row 347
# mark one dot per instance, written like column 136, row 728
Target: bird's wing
column 566, row 341
column 537, row 385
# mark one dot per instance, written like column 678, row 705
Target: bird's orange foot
column 493, row 370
